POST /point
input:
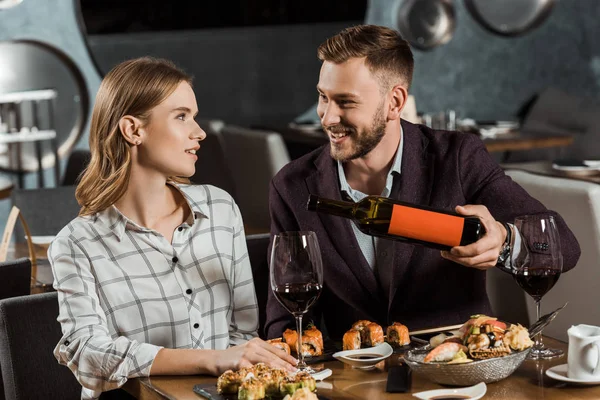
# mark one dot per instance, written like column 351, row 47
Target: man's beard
column 365, row 142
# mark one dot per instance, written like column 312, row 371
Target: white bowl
column 365, row 358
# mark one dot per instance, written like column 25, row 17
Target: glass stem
column 301, row 363
column 539, row 345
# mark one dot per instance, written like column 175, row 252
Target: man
column 363, row 86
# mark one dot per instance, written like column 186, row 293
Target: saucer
column 365, row 358
column 474, row 392
column 559, row 372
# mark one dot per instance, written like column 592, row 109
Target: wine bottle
column 394, row 219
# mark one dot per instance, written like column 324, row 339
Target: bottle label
column 427, row 226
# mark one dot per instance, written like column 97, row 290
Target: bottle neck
column 336, row 207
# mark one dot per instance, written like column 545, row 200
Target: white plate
column 559, row 372
column 377, row 354
column 474, row 392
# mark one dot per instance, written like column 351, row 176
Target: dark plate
column 209, row 391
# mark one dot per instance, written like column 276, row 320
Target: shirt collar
column 118, row 223
column 396, row 169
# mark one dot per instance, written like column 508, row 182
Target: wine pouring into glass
column 537, row 266
column 296, row 273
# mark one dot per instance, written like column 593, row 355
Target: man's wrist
column 506, row 246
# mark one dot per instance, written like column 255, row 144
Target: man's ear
column 398, row 96
column 130, row 129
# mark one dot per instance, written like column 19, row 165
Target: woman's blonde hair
column 133, row 88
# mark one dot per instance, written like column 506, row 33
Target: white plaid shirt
column 125, row 292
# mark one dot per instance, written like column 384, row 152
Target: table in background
column 527, row 382
column 545, row 168
column 301, row 141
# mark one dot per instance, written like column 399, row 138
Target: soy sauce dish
column 365, row 358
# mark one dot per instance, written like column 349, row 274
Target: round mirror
column 426, row 24
column 509, row 17
column 44, row 90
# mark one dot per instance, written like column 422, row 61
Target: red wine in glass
column 297, row 298
column 536, row 266
column 538, row 282
column 296, row 274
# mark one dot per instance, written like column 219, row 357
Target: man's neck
column 368, row 174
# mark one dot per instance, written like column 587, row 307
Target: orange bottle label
column 426, row 225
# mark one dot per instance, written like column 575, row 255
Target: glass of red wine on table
column 296, row 273
column 536, row 266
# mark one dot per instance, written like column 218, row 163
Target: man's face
column 351, row 108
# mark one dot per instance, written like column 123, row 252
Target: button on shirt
column 125, row 292
column 367, row 243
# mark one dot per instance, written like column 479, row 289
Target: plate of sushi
column 484, row 349
column 259, row 382
column 313, row 348
column 364, row 344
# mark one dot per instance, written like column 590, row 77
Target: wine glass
column 296, row 273
column 536, row 267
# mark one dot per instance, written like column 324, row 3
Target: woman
column 153, row 277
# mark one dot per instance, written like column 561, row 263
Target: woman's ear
column 399, row 94
column 130, row 129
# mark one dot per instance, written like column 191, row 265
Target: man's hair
column 133, row 88
column 386, row 54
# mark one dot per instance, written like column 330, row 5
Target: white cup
column 584, row 352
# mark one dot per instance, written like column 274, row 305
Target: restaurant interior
column 523, row 75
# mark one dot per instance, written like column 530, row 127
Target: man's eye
column 322, row 97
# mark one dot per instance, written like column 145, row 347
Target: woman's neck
column 148, row 201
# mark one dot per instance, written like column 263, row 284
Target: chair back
column 45, row 210
column 258, row 248
column 254, row 158
column 578, row 202
column 77, row 162
column 211, row 166
column 28, row 334
column 15, row 278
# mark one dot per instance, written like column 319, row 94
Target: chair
column 15, row 278
column 578, row 202
column 46, row 210
column 211, row 166
column 258, row 247
column 254, row 158
column 76, row 164
column 28, row 334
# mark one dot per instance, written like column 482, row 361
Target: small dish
column 365, row 358
column 559, row 372
column 471, row 393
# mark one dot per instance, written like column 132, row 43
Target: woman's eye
column 181, row 117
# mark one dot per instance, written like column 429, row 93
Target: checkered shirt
column 125, row 292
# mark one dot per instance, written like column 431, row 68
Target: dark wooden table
column 300, row 141
column 527, row 382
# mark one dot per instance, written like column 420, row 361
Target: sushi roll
column 229, row 382
column 306, row 381
column 397, row 334
column 251, row 389
column 288, row 385
column 351, row 340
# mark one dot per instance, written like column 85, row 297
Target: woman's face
column 171, row 137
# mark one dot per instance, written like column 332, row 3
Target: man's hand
column 482, row 254
column 253, row 352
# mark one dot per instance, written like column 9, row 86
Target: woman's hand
column 482, row 254
column 250, row 353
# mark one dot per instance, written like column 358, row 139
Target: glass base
column 544, row 353
column 306, row 368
